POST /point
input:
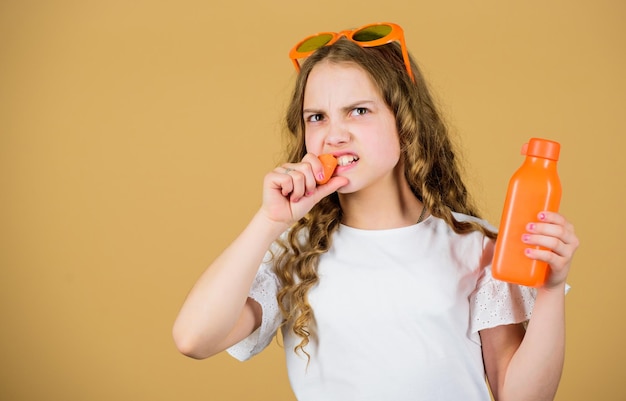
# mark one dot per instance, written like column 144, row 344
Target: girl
column 379, row 279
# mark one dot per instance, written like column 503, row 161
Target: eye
column 359, row 111
column 313, row 118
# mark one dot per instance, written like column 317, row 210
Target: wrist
column 557, row 289
column 265, row 224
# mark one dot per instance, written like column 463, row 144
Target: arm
column 217, row 312
column 528, row 366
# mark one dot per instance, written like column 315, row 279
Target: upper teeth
column 346, row 159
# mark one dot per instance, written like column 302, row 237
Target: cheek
column 311, row 144
column 308, row 146
column 389, row 146
column 392, row 154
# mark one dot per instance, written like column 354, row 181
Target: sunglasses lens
column 314, row 43
column 371, row 33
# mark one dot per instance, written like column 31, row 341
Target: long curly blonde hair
column 431, row 169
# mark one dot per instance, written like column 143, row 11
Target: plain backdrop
column 134, row 136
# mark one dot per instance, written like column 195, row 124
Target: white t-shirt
column 397, row 315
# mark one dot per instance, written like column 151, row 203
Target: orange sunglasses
column 370, row 35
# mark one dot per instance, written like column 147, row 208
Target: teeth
column 346, row 159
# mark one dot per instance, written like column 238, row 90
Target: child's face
column 344, row 114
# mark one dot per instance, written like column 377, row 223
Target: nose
column 337, row 135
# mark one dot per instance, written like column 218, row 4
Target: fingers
column 556, row 235
column 331, row 186
column 290, row 190
column 299, row 179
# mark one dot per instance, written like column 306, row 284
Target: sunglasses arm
column 296, row 64
column 407, row 63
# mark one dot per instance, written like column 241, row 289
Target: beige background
column 134, row 136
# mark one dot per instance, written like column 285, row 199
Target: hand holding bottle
column 551, row 239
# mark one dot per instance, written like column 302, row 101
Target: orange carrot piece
column 329, row 162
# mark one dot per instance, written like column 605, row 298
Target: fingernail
column 527, row 251
column 531, row 227
column 542, row 216
column 525, row 237
column 320, row 176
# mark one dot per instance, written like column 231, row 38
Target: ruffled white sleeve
column 263, row 290
column 496, row 303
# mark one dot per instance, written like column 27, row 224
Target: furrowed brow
column 357, row 104
column 312, row 111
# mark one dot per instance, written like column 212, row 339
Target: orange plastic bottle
column 534, row 187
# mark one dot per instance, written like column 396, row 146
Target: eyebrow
column 351, row 106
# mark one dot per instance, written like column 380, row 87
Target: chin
column 347, row 189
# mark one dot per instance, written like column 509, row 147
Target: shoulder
column 465, row 217
column 478, row 233
column 472, row 245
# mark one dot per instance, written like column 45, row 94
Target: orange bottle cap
column 543, row 148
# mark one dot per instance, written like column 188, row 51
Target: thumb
column 305, row 204
column 322, row 191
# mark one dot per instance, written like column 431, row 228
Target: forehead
column 339, row 81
